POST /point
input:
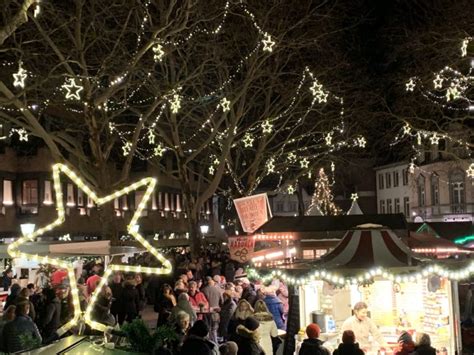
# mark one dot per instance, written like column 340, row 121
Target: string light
column 175, row 103
column 271, row 165
column 72, row 89
column 19, row 77
column 158, row 52
column 322, row 198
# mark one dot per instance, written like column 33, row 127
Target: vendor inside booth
column 372, row 284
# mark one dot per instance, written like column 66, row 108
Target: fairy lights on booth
column 132, row 228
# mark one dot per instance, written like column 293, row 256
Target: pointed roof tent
column 314, row 211
column 370, row 246
column 355, row 209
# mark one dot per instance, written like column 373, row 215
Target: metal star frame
column 132, row 228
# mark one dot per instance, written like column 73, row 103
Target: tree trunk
column 108, row 222
column 299, row 194
column 195, row 237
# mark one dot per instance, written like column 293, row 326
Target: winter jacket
column 275, row 307
column 195, row 345
column 11, row 298
column 141, row 296
column 12, row 332
column 213, row 295
column 405, row 348
column 248, row 341
column 6, row 282
column 313, row 347
column 52, row 318
column 249, row 295
column 197, row 299
column 425, row 350
column 348, row 349
column 32, row 313
column 117, row 290
column 227, row 310
column 130, row 301
column 101, row 311
column 267, row 331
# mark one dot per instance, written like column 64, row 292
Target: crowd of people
column 208, row 301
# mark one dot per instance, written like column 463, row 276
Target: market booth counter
column 403, row 292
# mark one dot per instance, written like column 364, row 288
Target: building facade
column 394, row 189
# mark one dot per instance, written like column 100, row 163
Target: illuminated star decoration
column 268, row 43
column 127, row 148
column 328, row 138
column 291, row 157
column 470, row 171
column 410, row 86
column 159, row 150
column 406, row 129
column 22, row 135
column 411, row 168
column 267, row 126
column 158, row 52
column 290, row 189
column 19, row 77
column 216, row 161
column 354, row 197
column 211, row 170
column 316, row 88
column 132, row 228
column 361, row 142
column 225, row 105
column 151, row 137
column 434, row 139
column 271, row 165
column 452, row 93
column 438, row 82
column 248, row 140
column 73, row 90
column 175, row 103
column 322, row 97
column 464, row 45
column 304, row 163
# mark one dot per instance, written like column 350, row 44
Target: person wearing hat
column 197, row 343
column 406, row 345
column 247, row 338
column 348, row 345
column 312, row 345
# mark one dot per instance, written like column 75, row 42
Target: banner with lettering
column 253, row 211
column 241, row 248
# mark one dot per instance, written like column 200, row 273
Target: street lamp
column 27, row 228
column 204, row 228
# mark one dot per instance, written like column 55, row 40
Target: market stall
column 372, row 265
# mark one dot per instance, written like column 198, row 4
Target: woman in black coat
column 50, row 320
column 130, row 300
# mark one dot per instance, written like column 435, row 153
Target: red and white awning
column 368, row 248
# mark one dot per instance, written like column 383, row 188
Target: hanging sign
column 241, row 248
column 253, row 211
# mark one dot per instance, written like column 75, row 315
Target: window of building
column 389, row 206
column 380, row 181
column 406, row 206
column 279, row 206
column 80, row 198
column 421, row 190
column 7, row 193
column 388, row 180
column 397, row 205
column 48, row 193
column 293, row 206
column 29, row 192
column 405, row 177
column 382, row 206
column 457, row 187
column 70, row 196
column 434, row 182
column 395, row 179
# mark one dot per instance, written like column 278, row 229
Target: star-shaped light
column 290, row 189
column 406, row 129
column 434, row 139
column 410, row 86
column 151, row 137
column 470, row 171
column 159, row 150
column 316, row 88
column 22, row 135
column 354, row 196
column 158, row 52
column 132, row 228
column 361, row 142
column 291, row 157
column 267, row 126
column 271, row 165
column 268, row 43
column 304, row 163
column 19, row 77
column 225, row 104
column 72, row 89
column 418, row 138
column 464, row 45
column 438, row 82
column 127, row 148
column 216, row 161
column 452, row 93
column 175, row 103
column 248, row 140
column 211, row 170
column 411, row 168
column 328, row 138
column 322, row 97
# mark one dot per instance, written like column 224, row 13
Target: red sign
column 241, row 248
column 252, row 211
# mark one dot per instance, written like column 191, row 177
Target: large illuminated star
column 19, row 77
column 470, row 171
column 268, row 43
column 132, row 228
column 73, row 90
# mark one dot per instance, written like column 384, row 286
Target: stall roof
column 446, row 230
column 302, row 224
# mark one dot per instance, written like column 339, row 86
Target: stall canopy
column 370, row 246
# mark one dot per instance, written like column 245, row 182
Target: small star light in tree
column 322, row 97
column 72, row 89
column 406, row 129
column 158, row 52
column 470, row 171
column 328, row 139
column 267, row 126
column 19, row 77
column 211, row 170
column 22, row 134
column 268, row 43
column 271, row 165
column 361, row 142
column 411, row 168
column 159, row 150
column 292, row 157
column 304, row 163
column 151, row 137
column 175, row 103
column 434, row 139
column 225, row 104
column 464, row 45
column 127, row 148
column 410, row 86
column 290, row 189
column 354, row 196
column 452, row 93
column 316, row 89
column 438, row 82
column 248, row 140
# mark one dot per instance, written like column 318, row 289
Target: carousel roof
column 370, row 246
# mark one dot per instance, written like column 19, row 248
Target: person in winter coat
column 130, row 300
column 243, row 310
column 248, row 292
column 24, row 296
column 183, row 305
column 101, row 311
column 275, row 307
column 50, row 321
column 227, row 310
column 312, row 345
column 8, row 316
column 197, row 343
column 117, row 308
column 229, row 348
column 22, row 325
column 423, row 345
column 406, row 345
column 248, row 338
column 7, row 279
column 348, row 345
column 212, row 292
column 197, row 298
column 267, row 329
column 181, row 328
column 164, row 304
column 141, row 292
column 11, row 298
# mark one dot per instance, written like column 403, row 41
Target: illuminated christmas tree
column 322, row 198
